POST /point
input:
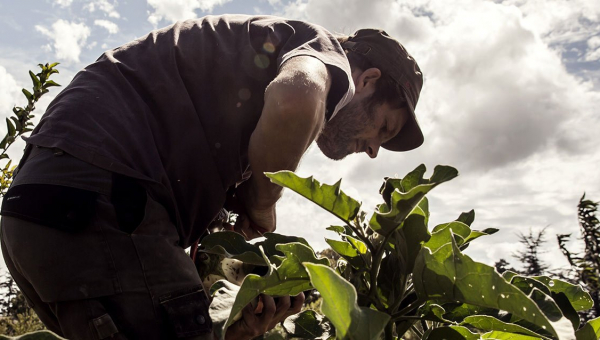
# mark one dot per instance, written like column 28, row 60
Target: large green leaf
column 388, row 217
column 579, row 298
column 328, row 197
column 308, row 325
column 232, row 245
column 589, row 331
column 499, row 335
column 448, row 275
column 340, row 307
column 488, row 323
column 289, row 278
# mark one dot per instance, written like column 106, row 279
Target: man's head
column 381, row 113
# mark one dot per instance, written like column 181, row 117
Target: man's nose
column 373, row 148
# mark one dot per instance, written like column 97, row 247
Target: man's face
column 360, row 127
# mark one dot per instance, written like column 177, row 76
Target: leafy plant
column 585, row 266
column 397, row 277
column 17, row 318
column 20, row 122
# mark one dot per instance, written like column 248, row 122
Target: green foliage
column 20, row 122
column 585, row 266
column 395, row 278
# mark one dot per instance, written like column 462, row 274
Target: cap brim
column 409, row 138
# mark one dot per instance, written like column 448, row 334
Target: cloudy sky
column 511, row 97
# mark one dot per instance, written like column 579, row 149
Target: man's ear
column 366, row 79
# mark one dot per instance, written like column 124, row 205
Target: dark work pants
column 119, row 275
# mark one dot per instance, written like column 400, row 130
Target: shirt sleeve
column 315, row 41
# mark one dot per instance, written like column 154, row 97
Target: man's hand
column 255, row 223
column 257, row 322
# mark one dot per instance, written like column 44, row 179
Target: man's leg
column 159, row 294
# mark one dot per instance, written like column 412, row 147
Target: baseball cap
column 388, row 55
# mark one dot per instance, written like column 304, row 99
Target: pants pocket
column 187, row 312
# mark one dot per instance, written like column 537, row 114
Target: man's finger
column 298, row 302
column 283, row 307
column 268, row 312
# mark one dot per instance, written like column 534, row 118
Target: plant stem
column 362, row 237
column 401, row 313
column 389, row 331
column 416, row 330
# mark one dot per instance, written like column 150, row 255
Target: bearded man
column 134, row 159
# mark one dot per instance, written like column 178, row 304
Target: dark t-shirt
column 176, row 108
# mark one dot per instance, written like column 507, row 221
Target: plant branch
column 401, row 314
column 362, row 237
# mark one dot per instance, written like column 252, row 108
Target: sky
column 511, row 97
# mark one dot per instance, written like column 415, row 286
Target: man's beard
column 338, row 138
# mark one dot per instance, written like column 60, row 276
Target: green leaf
column 450, row 333
column 567, row 309
column 359, row 245
column 389, row 279
column 290, row 278
column 457, row 312
column 338, row 229
column 579, row 298
column 467, row 217
column 432, row 312
column 345, row 250
column 28, row 95
column 272, row 240
column 478, row 233
column 411, row 180
column 223, row 299
column 50, row 83
column 498, row 335
column 328, row 197
column 589, row 331
column 443, row 234
column 308, row 325
column 448, row 275
column 11, row 128
column 340, row 307
column 35, row 80
column 411, row 236
column 488, row 323
column 389, row 217
column 18, row 125
column 232, row 245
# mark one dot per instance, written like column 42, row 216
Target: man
column 132, row 161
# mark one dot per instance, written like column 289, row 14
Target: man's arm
column 292, row 117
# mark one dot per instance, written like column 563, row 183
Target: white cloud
column 110, row 26
column 104, row 6
column 63, row 3
column 593, row 53
column 9, row 91
column 560, row 20
column 174, row 10
column 68, row 38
